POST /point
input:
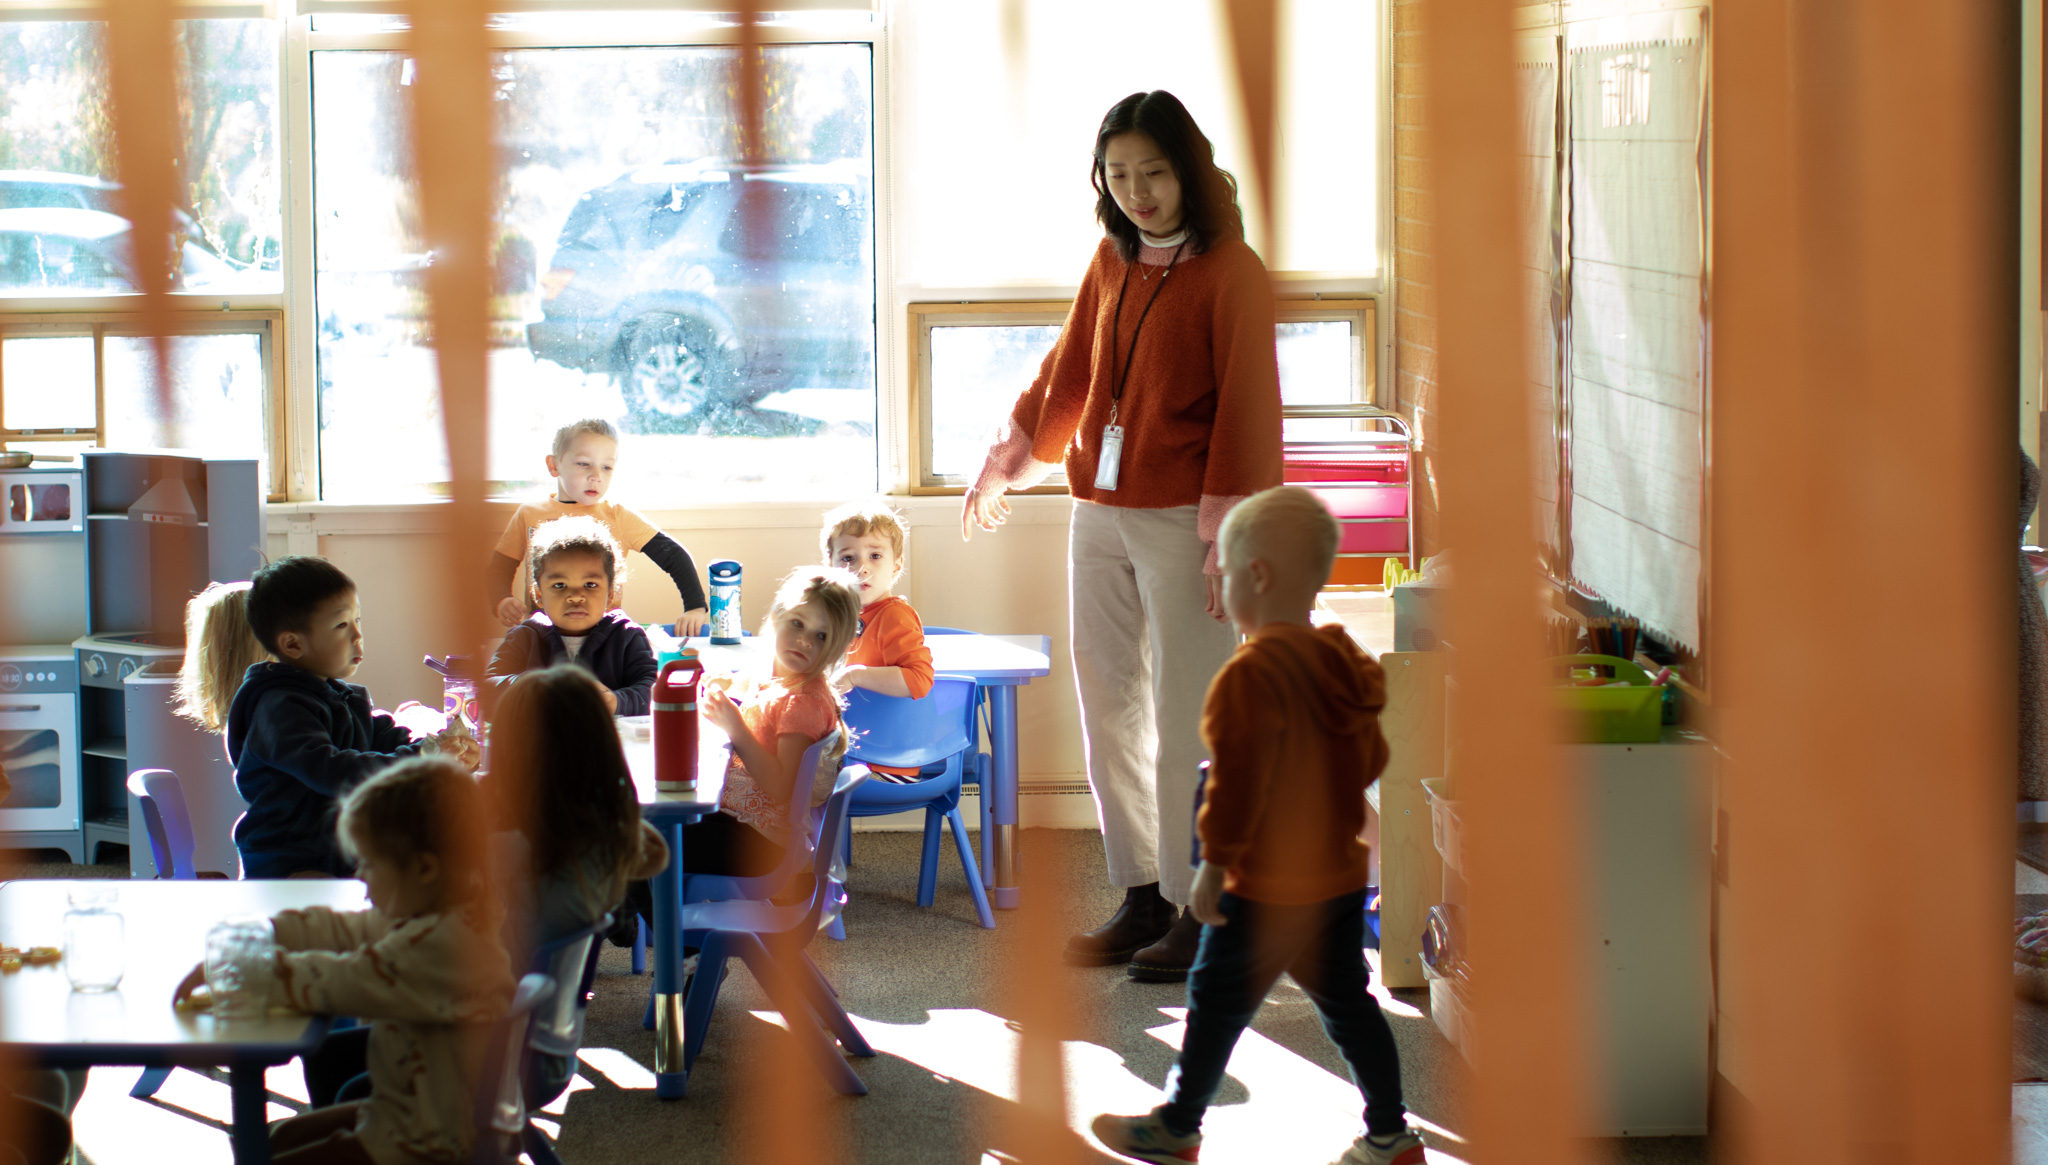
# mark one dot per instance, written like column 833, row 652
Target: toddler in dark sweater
column 574, row 567
column 300, row 737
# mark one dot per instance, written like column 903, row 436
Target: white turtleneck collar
column 1166, row 244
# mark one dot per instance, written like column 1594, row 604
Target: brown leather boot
column 1168, row 960
column 1138, row 923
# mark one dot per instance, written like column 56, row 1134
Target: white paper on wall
column 1635, row 381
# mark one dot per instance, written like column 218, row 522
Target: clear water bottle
column 725, row 600
column 95, row 939
column 241, row 951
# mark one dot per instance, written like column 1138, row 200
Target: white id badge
column 1112, row 456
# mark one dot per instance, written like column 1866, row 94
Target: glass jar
column 95, row 939
column 241, row 952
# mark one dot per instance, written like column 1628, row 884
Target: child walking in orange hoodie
column 1293, row 724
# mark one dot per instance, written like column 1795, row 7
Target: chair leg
column 147, row 1084
column 640, row 948
column 703, row 995
column 846, row 841
column 928, row 865
column 647, row 1017
column 783, row 983
column 825, row 1001
column 987, row 806
column 974, row 886
column 837, row 931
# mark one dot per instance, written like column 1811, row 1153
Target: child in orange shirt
column 1293, row 722
column 889, row 655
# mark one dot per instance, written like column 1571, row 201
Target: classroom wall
column 1012, row 582
column 1413, row 270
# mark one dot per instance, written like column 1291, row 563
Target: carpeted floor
column 925, row 986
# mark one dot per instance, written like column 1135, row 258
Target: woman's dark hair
column 560, row 777
column 1208, row 193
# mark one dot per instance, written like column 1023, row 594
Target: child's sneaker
column 1146, row 1138
column 1403, row 1148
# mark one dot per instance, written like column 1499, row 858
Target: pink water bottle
column 675, row 724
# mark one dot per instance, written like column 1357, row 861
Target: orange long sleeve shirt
column 1201, row 408
column 891, row 635
column 1292, row 722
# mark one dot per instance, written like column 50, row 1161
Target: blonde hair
column 220, row 646
column 595, row 426
column 423, row 805
column 836, row 594
column 860, row 519
column 1290, row 528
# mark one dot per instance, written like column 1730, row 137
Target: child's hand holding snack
column 456, row 743
column 188, row 996
column 723, row 714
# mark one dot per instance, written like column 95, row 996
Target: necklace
column 1116, row 395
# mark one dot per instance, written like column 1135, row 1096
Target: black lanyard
column 1116, row 392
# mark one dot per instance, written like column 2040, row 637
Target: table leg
column 666, row 944
column 1002, row 848
column 250, row 1105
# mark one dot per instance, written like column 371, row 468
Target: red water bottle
column 675, row 724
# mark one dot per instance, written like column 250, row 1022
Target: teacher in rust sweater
column 1162, row 399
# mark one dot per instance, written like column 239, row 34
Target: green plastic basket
column 1612, row 714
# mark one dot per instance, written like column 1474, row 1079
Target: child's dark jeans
column 1321, row 945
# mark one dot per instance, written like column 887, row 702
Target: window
column 723, row 319
column 985, row 87
column 61, row 227
column 974, row 359
column 68, row 383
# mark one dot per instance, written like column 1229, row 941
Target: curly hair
column 1208, row 193
column 575, row 535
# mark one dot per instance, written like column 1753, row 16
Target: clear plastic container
column 241, row 950
column 95, row 939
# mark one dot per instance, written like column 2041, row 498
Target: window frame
column 266, row 324
column 1361, row 310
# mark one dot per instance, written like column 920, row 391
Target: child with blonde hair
column 1293, row 722
column 813, row 618
column 219, row 649
column 423, row 965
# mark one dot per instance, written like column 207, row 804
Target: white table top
column 986, row 657
column 165, row 925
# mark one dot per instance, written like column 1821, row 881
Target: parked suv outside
column 657, row 280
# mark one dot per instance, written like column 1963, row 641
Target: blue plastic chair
column 802, row 824
column 936, row 731
column 502, row 1124
column 169, row 825
column 976, row 776
column 171, row 845
column 556, row 1028
column 771, row 939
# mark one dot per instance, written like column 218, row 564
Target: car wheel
column 674, row 370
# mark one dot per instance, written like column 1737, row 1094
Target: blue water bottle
column 725, row 600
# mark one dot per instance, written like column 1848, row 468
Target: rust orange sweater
column 1201, row 410
column 1293, row 724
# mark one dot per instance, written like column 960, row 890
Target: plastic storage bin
column 1446, row 826
column 1619, row 713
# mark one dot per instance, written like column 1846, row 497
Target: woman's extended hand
column 1215, row 606
column 983, row 508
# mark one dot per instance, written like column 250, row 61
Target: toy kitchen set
column 98, row 557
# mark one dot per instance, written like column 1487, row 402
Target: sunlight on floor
column 1297, row 1112
column 185, row 1122
column 618, row 1067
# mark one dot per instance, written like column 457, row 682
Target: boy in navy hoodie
column 298, row 735
column 574, row 568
